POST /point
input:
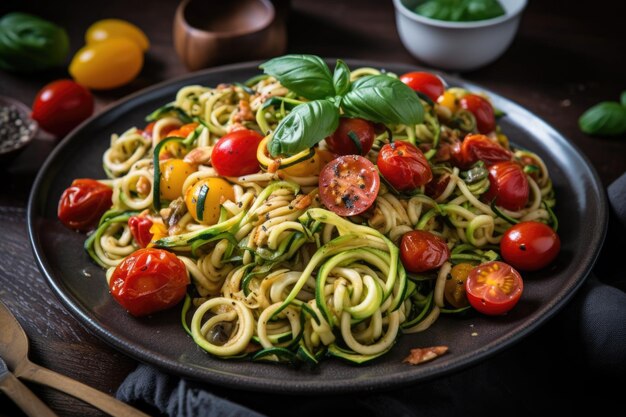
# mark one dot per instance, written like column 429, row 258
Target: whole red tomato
column 234, row 154
column 140, row 229
column 425, row 83
column 508, row 185
column 83, row 203
column 61, row 106
column 480, row 148
column 149, row 280
column 530, row 246
column 422, row 251
column 482, row 111
column 404, row 166
column 348, row 134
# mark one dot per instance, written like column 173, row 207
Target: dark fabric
column 574, row 363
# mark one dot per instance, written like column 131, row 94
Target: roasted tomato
column 425, row 83
column 174, row 172
column 422, row 251
column 494, row 288
column 349, row 185
column 234, row 155
column 454, row 291
column 508, row 185
column 482, row 111
column 140, row 229
column 530, row 246
column 61, row 105
column 352, row 137
column 83, row 203
column 205, row 197
column 149, row 280
column 404, row 166
column 480, row 148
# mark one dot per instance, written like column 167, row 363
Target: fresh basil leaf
column 306, row 75
column 623, row 98
column 606, row 118
column 460, row 10
column 307, row 124
column 341, row 78
column 383, row 99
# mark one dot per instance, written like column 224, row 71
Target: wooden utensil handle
column 112, row 406
column 24, row 398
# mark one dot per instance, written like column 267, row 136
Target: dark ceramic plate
column 161, row 341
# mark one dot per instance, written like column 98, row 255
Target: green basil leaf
column 383, row 99
column 460, row 10
column 623, row 98
column 341, row 78
column 306, row 75
column 606, row 118
column 307, row 124
column 29, row 43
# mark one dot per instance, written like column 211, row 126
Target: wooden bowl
column 208, row 33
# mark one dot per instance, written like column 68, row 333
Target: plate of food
column 305, row 226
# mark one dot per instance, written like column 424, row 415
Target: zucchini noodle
column 276, row 276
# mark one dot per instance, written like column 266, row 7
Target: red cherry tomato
column 148, row 130
column 149, row 280
column 422, row 251
column 349, row 185
column 404, row 166
column 508, row 185
column 350, row 132
column 494, row 288
column 83, row 203
column 234, row 155
column 482, row 111
column 140, row 229
column 437, row 186
column 424, row 82
column 61, row 105
column 480, row 148
column 530, row 246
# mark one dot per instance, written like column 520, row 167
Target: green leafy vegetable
column 29, row 43
column 378, row 98
column 383, row 99
column 606, row 118
column 460, row 10
column 306, row 75
column 306, row 125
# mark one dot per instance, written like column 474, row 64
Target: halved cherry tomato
column 140, row 229
column 454, row 290
column 530, row 246
column 204, row 198
column 174, row 172
column 424, row 82
column 83, row 203
column 480, row 148
column 61, row 105
column 349, row 185
column 107, row 64
column 404, row 166
column 422, row 251
column 508, row 185
column 344, row 139
column 482, row 111
column 234, row 154
column 494, row 288
column 116, row 28
column 149, row 280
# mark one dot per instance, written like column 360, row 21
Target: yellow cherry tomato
column 305, row 168
column 116, row 28
column 158, row 231
column 454, row 290
column 107, row 64
column 447, row 99
column 211, row 192
column 174, row 172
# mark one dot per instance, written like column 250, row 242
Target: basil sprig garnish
column 606, row 118
column 460, row 10
column 378, row 98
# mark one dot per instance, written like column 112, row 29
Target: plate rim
column 336, row 386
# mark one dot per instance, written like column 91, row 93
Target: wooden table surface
column 563, row 60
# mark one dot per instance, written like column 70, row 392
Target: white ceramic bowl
column 458, row 46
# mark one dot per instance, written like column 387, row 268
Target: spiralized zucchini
column 279, row 277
